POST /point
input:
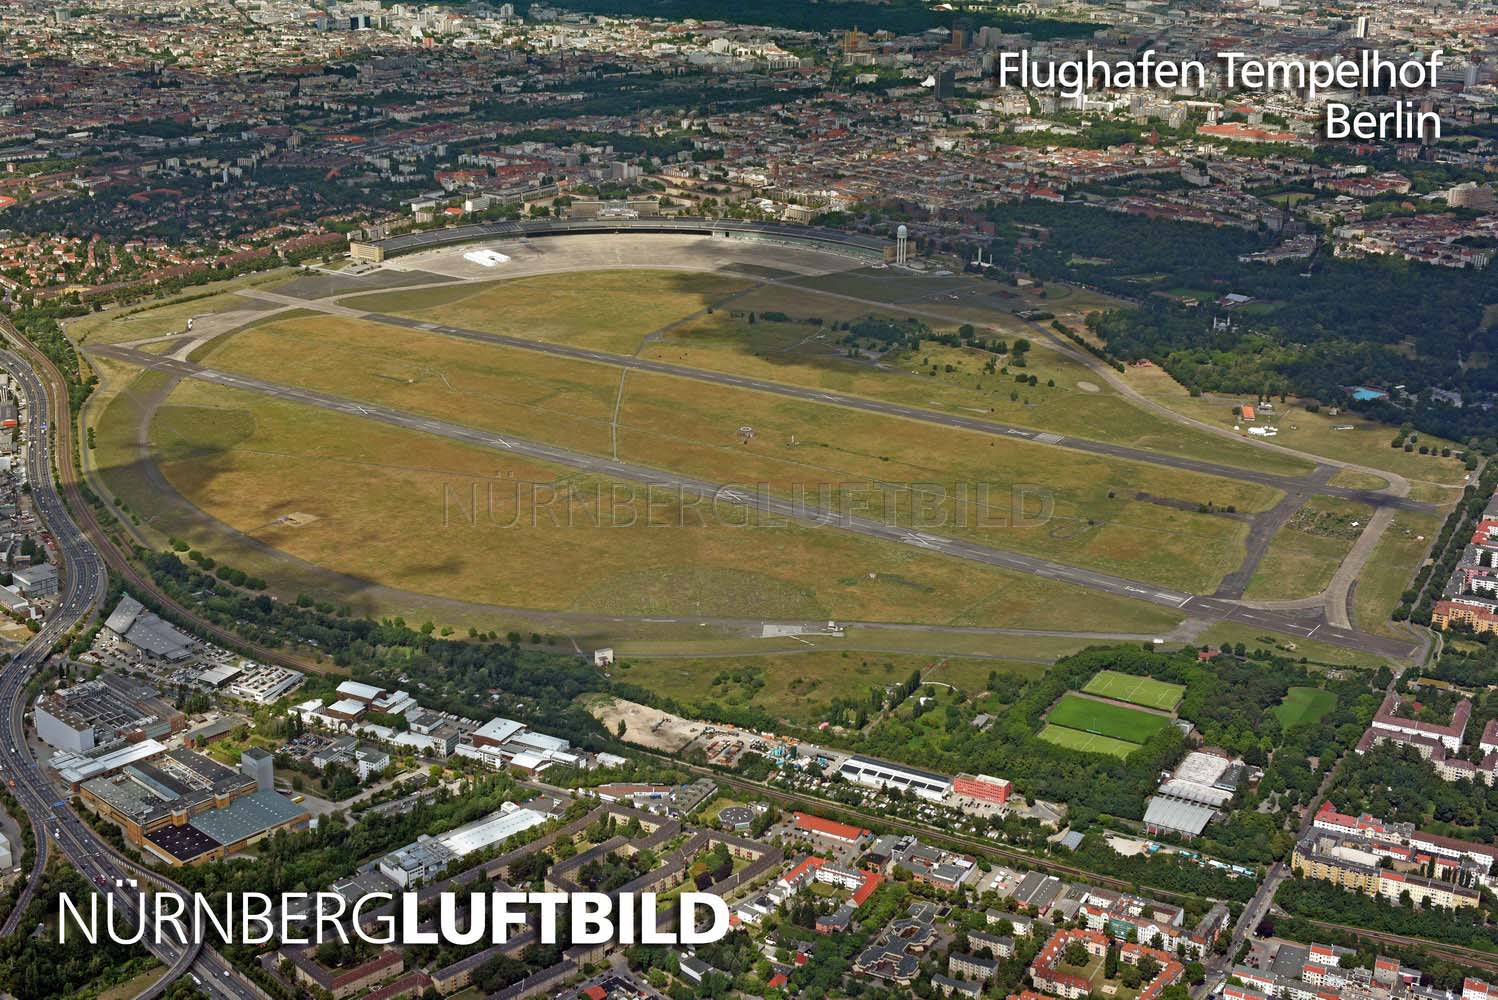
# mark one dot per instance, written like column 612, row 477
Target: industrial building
column 35, row 581
column 420, row 862
column 899, row 777
column 1200, row 789
column 507, row 744
column 132, row 624
column 185, row 808
column 101, row 713
column 264, row 683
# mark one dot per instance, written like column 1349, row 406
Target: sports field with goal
column 1075, row 739
column 1144, row 691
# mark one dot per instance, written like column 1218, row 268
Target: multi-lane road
column 46, row 436
column 772, row 506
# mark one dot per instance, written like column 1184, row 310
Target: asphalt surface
column 57, row 827
column 769, row 506
column 1313, row 482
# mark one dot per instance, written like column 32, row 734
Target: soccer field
column 1116, row 721
column 1303, row 704
column 1075, row 739
column 1144, row 691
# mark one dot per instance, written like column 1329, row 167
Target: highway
column 770, row 506
column 46, row 431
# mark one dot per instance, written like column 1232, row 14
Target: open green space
column 1080, row 508
column 1136, row 690
column 1306, row 552
column 1345, row 437
column 1391, row 570
column 609, row 310
column 1068, row 396
column 1105, row 719
column 798, row 686
column 1291, row 646
column 170, row 315
column 425, row 514
column 1076, row 739
column 1303, row 705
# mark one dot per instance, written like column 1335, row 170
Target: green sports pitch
column 1103, row 718
column 1075, row 739
column 1144, row 691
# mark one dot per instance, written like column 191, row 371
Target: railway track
column 1451, row 952
column 928, row 833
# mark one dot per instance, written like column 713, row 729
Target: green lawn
column 1144, row 691
column 798, row 686
column 1104, row 719
column 1304, row 704
column 1075, row 739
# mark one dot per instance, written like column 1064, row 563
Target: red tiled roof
column 827, row 827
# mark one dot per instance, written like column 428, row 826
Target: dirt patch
column 645, row 726
column 1086, row 386
column 296, row 519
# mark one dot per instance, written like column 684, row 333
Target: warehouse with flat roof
column 900, row 777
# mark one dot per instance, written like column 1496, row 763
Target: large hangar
column 871, row 249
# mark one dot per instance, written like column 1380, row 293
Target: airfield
column 676, row 444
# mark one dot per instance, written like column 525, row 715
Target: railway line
column 48, row 442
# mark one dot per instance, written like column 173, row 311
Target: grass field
column 1079, row 403
column 1363, row 443
column 1144, row 691
column 1295, row 647
column 609, row 310
column 1391, row 569
column 394, row 507
column 962, row 647
column 570, row 308
column 170, row 315
column 1303, row 705
column 1306, row 552
column 797, row 686
column 1075, row 739
column 1105, row 719
column 692, row 427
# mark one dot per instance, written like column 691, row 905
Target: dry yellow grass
column 1307, row 551
column 563, row 402
column 692, row 427
column 377, row 496
column 1362, row 442
column 801, row 354
column 608, row 310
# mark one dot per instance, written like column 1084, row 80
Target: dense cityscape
column 986, row 499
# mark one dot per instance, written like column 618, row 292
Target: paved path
column 813, row 395
column 771, row 506
column 1265, row 527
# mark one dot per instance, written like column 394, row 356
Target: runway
column 1312, row 483
column 771, row 506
